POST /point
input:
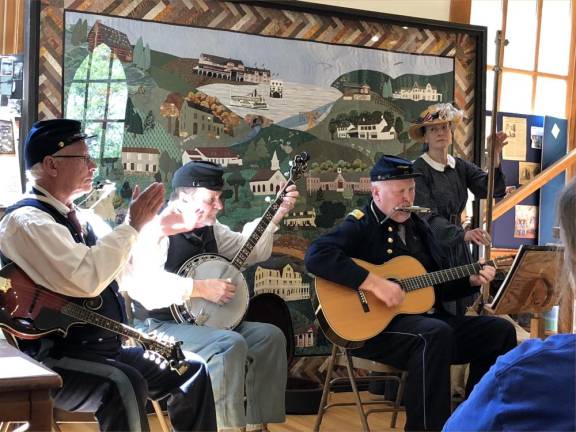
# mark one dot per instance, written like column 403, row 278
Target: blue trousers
column 116, row 390
column 249, row 361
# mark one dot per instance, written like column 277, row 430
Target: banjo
column 212, row 266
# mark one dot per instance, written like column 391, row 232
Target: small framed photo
column 527, row 171
column 6, row 137
column 6, row 67
column 18, row 70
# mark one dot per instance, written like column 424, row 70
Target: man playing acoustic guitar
column 248, row 364
column 62, row 252
column 424, row 344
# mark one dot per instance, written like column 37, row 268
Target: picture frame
column 7, row 146
column 6, row 67
column 18, row 70
column 259, row 121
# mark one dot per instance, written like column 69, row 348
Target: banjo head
column 204, row 312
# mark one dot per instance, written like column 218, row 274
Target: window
column 535, row 66
column 97, row 96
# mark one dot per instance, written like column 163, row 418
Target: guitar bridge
column 363, row 301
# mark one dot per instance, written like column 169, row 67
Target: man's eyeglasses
column 85, row 158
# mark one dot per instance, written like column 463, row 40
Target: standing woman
column 445, row 181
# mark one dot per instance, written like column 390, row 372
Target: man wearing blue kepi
column 60, row 250
column 426, row 344
column 248, row 364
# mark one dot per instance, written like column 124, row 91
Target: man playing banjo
column 247, row 361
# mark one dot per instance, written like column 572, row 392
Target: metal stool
column 340, row 356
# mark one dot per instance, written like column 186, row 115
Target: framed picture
column 6, row 137
column 6, row 68
column 18, row 70
column 527, row 171
column 248, row 84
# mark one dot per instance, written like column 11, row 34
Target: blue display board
column 554, row 147
column 505, row 229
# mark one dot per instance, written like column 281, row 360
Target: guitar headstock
column 298, row 166
column 165, row 352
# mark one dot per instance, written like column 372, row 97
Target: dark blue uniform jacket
column 365, row 235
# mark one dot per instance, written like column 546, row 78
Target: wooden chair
column 62, row 416
column 341, row 356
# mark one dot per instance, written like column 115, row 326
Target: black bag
column 302, row 395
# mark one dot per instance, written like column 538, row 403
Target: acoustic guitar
column 348, row 317
column 29, row 311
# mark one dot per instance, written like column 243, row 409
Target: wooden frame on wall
column 328, row 28
column 465, row 43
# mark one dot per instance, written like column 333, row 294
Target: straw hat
column 434, row 114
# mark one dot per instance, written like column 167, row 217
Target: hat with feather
column 434, row 114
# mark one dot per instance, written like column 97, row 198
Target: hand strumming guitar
column 385, row 290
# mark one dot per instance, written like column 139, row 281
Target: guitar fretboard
column 441, row 276
column 75, row 311
column 244, row 252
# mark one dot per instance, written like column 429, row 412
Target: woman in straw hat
column 445, row 181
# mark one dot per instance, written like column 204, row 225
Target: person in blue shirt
column 533, row 387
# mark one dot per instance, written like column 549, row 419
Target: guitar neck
column 244, row 252
column 429, row 279
column 90, row 317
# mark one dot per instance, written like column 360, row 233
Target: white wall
column 431, row 9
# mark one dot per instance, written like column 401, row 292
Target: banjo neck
column 244, row 252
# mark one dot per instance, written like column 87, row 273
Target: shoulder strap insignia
column 358, row 214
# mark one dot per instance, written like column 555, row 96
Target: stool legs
column 349, row 362
column 355, row 391
column 158, row 410
column 326, row 390
column 398, row 400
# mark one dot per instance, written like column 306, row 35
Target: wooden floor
column 341, row 419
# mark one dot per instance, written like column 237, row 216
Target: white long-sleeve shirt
column 148, row 283
column 46, row 251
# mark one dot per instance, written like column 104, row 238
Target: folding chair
column 341, row 357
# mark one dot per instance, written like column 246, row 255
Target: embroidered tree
column 236, row 180
column 150, row 121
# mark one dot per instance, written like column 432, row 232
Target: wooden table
column 25, row 386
